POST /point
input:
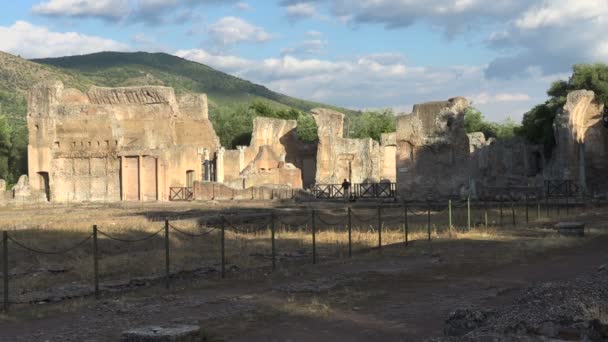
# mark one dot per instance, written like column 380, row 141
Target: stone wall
column 581, row 150
column 338, row 158
column 221, row 192
column 274, row 156
column 131, row 143
column 433, row 150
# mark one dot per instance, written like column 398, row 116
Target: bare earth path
column 400, row 295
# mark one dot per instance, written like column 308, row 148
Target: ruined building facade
column 113, row 144
column 137, row 143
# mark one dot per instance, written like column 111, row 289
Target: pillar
column 206, row 169
column 219, row 165
column 582, row 169
column 140, row 176
column 241, row 157
column 122, row 179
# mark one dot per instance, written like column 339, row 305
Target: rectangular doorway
column 130, row 178
column 149, row 179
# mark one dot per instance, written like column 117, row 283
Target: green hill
column 114, row 69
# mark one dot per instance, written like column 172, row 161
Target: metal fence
column 358, row 190
column 427, row 216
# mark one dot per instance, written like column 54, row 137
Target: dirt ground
column 397, row 294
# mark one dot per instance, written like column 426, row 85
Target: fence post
column 501, row 215
column 527, row 211
column 405, row 224
column 350, row 233
column 567, row 206
column 485, row 213
column 450, row 214
column 379, row 228
column 5, row 268
column 314, row 238
column 429, row 221
column 538, row 207
column 272, row 232
column 513, row 210
column 222, row 247
column 167, row 270
column 95, row 262
column 469, row 212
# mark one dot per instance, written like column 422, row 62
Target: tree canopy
column 474, row 121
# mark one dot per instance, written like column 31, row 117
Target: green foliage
column 13, row 151
column 591, row 77
column 234, row 125
column 370, row 124
column 474, row 121
column 537, row 125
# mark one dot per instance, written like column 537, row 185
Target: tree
column 370, row 124
column 5, row 148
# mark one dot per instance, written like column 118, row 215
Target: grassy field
column 36, row 276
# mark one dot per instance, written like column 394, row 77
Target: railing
column 561, row 188
column 181, row 194
column 361, row 190
column 375, row 190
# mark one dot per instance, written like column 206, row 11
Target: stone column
column 582, row 169
column 241, row 157
column 123, row 185
column 140, row 176
column 219, row 165
column 206, row 171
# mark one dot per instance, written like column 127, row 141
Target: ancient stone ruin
column 147, row 144
column 114, row 144
column 581, row 143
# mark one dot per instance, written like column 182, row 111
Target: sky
column 360, row 54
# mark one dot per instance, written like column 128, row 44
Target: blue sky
column 359, row 54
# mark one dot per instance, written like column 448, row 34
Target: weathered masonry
column 114, row 144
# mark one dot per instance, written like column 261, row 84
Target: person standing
column 346, row 189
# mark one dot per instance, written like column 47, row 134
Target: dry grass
column 313, row 308
column 59, row 228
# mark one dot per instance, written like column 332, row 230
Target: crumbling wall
column 579, row 132
column 129, row 143
column 271, row 157
column 433, row 150
column 339, row 158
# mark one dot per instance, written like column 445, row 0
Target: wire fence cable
column 40, row 251
column 148, row 237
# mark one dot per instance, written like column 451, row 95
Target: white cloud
column 109, row 9
column 242, row 6
column 301, row 10
column 129, row 11
column 307, row 47
column 314, row 34
column 560, row 12
column 31, row 41
column 379, row 81
column 231, row 30
column 486, row 98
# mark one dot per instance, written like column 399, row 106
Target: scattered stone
column 177, row 333
column 463, row 321
column 571, row 228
